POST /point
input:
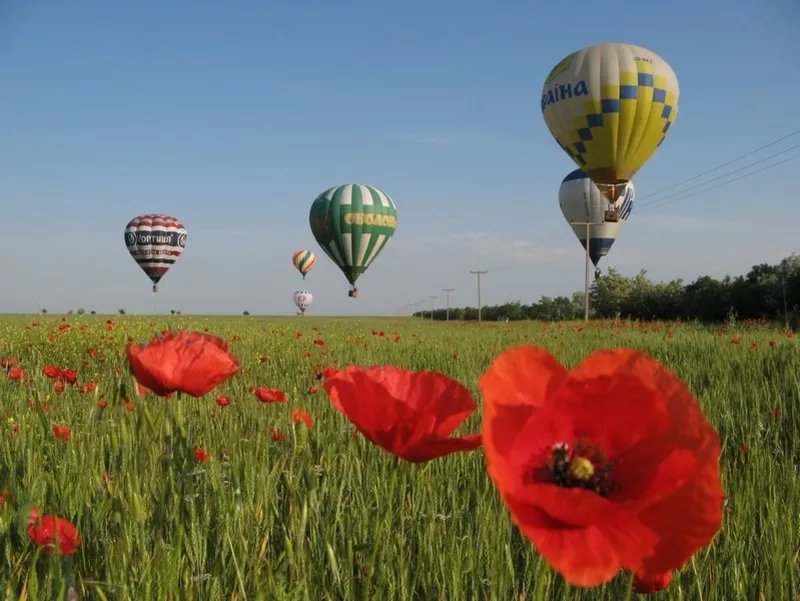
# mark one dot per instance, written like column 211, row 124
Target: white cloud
column 682, row 223
column 505, row 249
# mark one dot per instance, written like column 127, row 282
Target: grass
column 324, row 514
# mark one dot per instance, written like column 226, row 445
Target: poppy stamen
column 583, row 466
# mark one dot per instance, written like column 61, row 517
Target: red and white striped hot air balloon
column 155, row 242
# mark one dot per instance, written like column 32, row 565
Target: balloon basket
column 353, row 293
column 612, row 192
column 155, row 288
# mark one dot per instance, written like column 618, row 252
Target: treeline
column 769, row 292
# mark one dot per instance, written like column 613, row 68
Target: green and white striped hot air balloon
column 353, row 223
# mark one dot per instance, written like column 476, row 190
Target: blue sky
column 233, row 116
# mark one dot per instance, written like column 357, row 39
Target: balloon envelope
column 609, row 107
column 304, row 260
column 155, row 242
column 582, row 201
column 353, row 223
column 303, row 299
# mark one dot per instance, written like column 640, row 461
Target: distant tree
column 172, row 311
column 44, row 311
column 121, row 311
column 70, row 312
column 81, row 311
column 93, row 312
column 177, row 312
column 245, row 312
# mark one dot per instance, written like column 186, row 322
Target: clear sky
column 234, row 115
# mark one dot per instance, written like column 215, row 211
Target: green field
column 324, row 514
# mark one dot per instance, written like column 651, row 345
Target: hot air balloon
column 353, row 223
column 582, row 202
column 609, row 107
column 304, row 260
column 155, row 242
column 303, row 300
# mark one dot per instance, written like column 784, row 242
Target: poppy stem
column 541, row 580
column 629, row 587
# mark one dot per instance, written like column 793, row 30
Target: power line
column 433, row 298
column 725, row 164
column 724, row 175
column 765, row 168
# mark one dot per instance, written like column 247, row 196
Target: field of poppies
column 114, row 484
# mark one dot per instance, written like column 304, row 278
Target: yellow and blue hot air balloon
column 609, row 107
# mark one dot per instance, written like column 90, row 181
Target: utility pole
column 587, row 275
column 433, row 298
column 447, row 310
column 478, row 272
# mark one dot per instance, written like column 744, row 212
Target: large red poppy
column 410, row 414
column 50, row 531
column 611, row 465
column 188, row 362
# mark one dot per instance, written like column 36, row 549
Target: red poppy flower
column 201, row 455
column 49, row 531
column 609, row 466
column 61, row 432
column 276, row 436
column 51, row 371
column 269, row 395
column 16, row 374
column 298, row 415
column 86, row 387
column 102, row 404
column 645, row 585
column 184, row 361
column 410, row 414
column 223, row 400
column 70, row 376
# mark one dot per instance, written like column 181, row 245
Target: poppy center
column 582, row 466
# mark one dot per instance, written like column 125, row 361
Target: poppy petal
column 583, row 556
column 687, row 520
column 615, row 413
column 434, row 448
column 679, row 401
column 514, row 387
column 427, row 392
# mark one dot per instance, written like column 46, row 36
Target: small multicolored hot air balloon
column 609, row 107
column 303, row 300
column 155, row 242
column 304, row 260
column 353, row 223
column 581, row 202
